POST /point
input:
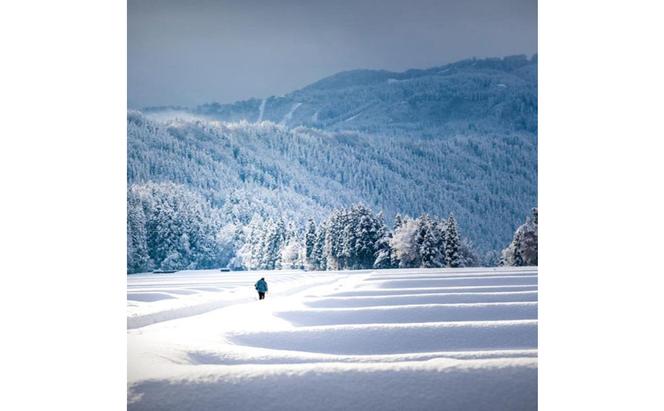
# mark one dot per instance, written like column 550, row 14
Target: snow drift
column 453, row 339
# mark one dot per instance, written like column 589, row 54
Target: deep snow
column 412, row 339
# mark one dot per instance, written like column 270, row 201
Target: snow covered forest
column 242, row 184
column 172, row 228
column 477, row 95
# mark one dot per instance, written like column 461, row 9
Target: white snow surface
column 411, row 339
column 289, row 116
column 261, row 110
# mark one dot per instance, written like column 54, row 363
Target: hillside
column 459, row 139
column 489, row 95
column 488, row 182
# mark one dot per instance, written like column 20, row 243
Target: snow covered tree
column 351, row 238
column 333, row 240
column 318, row 259
column 230, row 238
column 428, row 242
column 452, row 243
column 250, row 253
column 292, row 231
column 529, row 240
column 309, row 242
column 180, row 227
column 398, row 220
column 137, row 248
column 518, row 259
column 367, row 231
column 383, row 250
column 292, row 254
column 404, row 244
column 523, row 248
column 491, row 258
column 273, row 239
column 172, row 227
column 467, row 255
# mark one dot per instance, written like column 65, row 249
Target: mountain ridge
column 465, row 142
column 472, row 95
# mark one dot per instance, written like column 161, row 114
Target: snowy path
column 385, row 339
column 153, row 298
column 289, row 116
column 261, row 110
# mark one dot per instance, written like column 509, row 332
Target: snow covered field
column 411, row 339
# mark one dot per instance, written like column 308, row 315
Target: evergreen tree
column 336, row 243
column 231, row 238
column 467, row 254
column 452, row 243
column 171, row 227
column 351, row 238
column 292, row 254
column 428, row 242
column 523, row 248
column 518, row 260
column 137, row 248
column 529, row 240
column 274, row 238
column 367, row 233
column 404, row 245
column 309, row 243
column 318, row 255
column 180, row 228
column 292, row 231
column 398, row 221
column 383, row 252
column 491, row 259
column 251, row 252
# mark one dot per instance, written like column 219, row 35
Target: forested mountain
column 459, row 139
column 470, row 96
column 488, row 182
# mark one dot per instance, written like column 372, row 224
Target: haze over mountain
column 472, row 95
column 460, row 138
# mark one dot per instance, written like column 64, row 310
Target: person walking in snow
column 261, row 287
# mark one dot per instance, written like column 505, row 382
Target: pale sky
column 189, row 52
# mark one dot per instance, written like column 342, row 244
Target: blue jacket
column 261, row 286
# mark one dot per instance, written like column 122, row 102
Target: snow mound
column 413, row 313
column 398, row 338
column 423, row 298
column 453, row 339
column 496, row 384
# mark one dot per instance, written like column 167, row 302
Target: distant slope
column 219, row 348
column 488, row 181
column 476, row 96
column 458, row 138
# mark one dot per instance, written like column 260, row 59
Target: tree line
column 172, row 228
column 488, row 181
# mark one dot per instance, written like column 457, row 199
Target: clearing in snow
column 261, row 110
column 289, row 116
column 410, row 339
